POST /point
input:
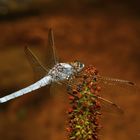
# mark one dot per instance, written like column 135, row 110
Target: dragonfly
column 58, row 72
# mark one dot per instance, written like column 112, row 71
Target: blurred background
column 98, row 32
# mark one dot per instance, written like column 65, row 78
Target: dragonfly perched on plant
column 57, row 72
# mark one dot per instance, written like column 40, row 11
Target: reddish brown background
column 105, row 34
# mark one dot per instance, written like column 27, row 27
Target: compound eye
column 81, row 65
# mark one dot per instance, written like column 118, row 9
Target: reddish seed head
column 88, row 80
column 98, row 104
column 74, row 105
column 68, row 129
column 71, row 97
column 74, row 91
column 92, row 90
column 85, row 104
column 70, row 110
column 96, row 71
column 96, row 92
column 90, row 84
column 79, row 95
column 81, row 111
column 98, row 88
column 81, row 122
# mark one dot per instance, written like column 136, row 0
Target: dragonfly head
column 78, row 66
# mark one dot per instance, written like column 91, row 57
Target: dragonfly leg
column 59, row 83
column 73, row 95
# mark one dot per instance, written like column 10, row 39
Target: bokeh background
column 103, row 33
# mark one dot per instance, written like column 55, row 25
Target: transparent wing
column 114, row 81
column 59, row 90
column 51, row 56
column 110, row 106
column 115, row 92
column 126, row 96
column 39, row 70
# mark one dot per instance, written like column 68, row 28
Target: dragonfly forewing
column 51, row 54
column 51, row 58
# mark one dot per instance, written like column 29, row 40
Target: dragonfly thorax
column 61, row 71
